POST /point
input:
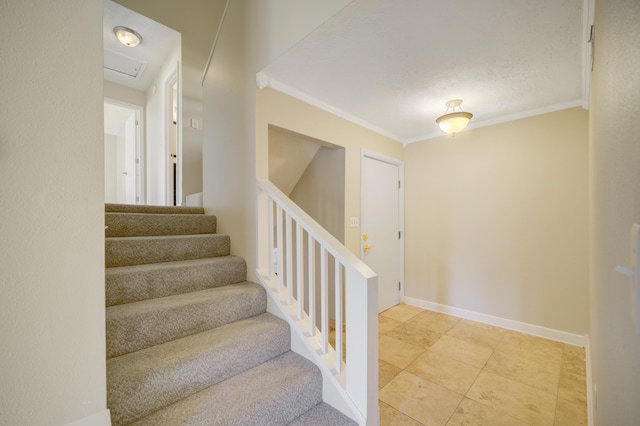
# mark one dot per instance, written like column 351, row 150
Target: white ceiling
column 157, row 43
column 391, row 65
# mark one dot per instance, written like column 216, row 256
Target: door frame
column 365, row 153
column 174, row 78
column 141, row 158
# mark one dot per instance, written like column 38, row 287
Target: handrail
column 215, row 42
column 298, row 276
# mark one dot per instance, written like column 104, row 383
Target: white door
column 381, row 227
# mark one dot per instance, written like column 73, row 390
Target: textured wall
column 497, row 220
column 615, row 157
column 52, row 362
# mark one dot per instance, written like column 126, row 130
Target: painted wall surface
column 111, row 168
column 280, row 110
column 124, row 94
column 52, row 308
column 320, row 190
column 156, row 148
column 254, row 34
column 496, row 220
column 615, row 178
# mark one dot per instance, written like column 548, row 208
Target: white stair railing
column 303, row 267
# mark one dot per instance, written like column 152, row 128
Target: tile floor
column 439, row 370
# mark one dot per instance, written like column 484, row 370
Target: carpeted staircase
column 189, row 340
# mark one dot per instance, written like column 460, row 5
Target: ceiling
column 158, row 42
column 391, row 66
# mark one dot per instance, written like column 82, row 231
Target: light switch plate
column 354, row 222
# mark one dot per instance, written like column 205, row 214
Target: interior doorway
column 123, row 160
column 382, row 225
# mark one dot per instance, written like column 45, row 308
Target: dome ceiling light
column 127, row 36
column 454, row 121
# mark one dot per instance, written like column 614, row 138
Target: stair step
column 140, row 225
column 143, row 382
column 126, row 251
column 273, row 393
column 323, row 414
column 127, row 284
column 139, row 208
column 135, row 326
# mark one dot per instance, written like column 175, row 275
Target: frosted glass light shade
column 127, row 36
column 454, row 122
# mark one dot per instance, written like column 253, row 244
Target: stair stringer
column 333, row 392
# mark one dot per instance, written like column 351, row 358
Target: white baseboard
column 103, row 418
column 535, row 330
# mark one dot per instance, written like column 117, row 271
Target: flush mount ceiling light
column 454, row 121
column 127, row 36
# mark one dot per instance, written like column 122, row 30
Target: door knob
column 367, row 247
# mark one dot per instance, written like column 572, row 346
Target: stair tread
column 122, row 224
column 323, row 414
column 127, row 284
column 135, row 326
column 273, row 393
column 149, row 209
column 142, row 382
column 125, row 251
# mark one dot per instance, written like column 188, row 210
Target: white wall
column 496, row 220
column 254, row 34
column 156, row 148
column 615, row 169
column 52, row 362
column 124, row 94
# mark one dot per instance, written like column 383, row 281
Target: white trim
column 400, row 164
column 591, row 415
column 103, row 418
column 503, row 119
column 532, row 329
column 264, row 81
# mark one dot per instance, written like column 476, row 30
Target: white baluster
column 324, row 299
column 311, row 261
column 300, row 268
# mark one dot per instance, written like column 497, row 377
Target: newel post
column 361, row 294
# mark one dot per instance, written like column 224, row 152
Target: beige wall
column 496, row 220
column 320, row 190
column 615, row 174
column 280, row 110
column 52, row 362
column 125, row 94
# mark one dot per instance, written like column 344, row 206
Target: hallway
column 437, row 370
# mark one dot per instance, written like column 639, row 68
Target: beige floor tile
column 533, row 371
column 389, row 416
column 426, row 402
column 401, row 312
column 397, row 352
column 469, row 412
column 521, row 344
column 523, row 402
column 434, row 321
column 573, row 362
column 463, row 351
column 570, row 414
column 441, row 370
column 386, row 372
column 578, row 350
column 414, row 336
column 386, row 324
column 478, row 333
column 573, row 388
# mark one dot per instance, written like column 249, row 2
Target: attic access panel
column 123, row 64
